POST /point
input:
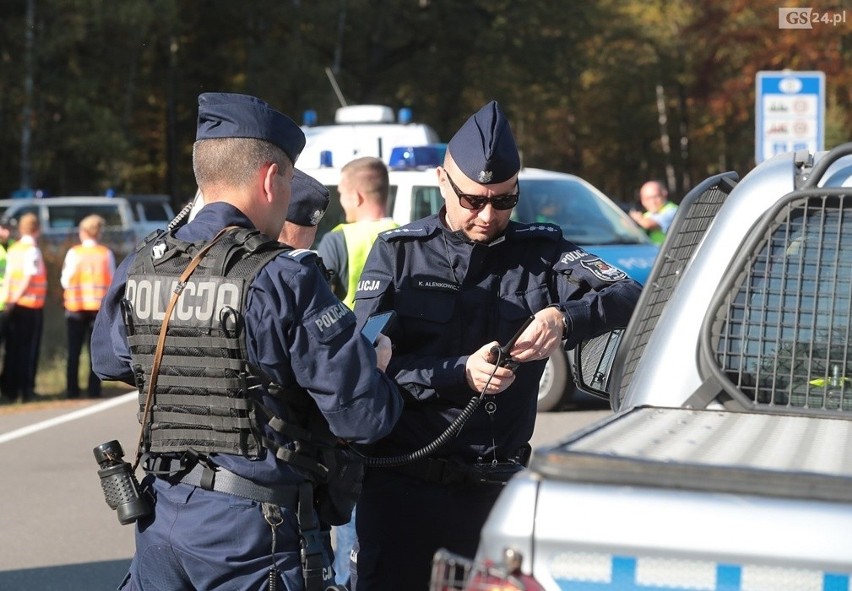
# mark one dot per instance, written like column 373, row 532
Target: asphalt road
column 56, row 531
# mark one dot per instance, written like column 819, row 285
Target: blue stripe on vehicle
column 835, row 582
column 728, row 578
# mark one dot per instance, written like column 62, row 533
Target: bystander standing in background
column 659, row 211
column 25, row 286
column 5, row 235
column 364, row 189
column 86, row 274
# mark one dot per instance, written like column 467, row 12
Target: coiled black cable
column 451, row 430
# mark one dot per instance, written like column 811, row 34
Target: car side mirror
column 593, row 360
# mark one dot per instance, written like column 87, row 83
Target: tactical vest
column 201, row 399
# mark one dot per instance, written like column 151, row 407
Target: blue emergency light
column 309, row 118
column 404, row 116
column 417, row 156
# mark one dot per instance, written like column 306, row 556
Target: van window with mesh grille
column 784, row 337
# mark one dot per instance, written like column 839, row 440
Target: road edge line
column 71, row 416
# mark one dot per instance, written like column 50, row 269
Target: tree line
column 102, row 94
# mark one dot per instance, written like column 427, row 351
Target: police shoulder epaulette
column 405, row 232
column 302, row 255
column 538, row 230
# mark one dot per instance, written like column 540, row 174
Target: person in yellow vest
column 364, row 189
column 659, row 211
column 5, row 235
column 86, row 275
column 25, row 285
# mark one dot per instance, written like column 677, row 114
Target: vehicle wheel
column 554, row 382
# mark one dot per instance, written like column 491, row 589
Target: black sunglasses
column 476, row 202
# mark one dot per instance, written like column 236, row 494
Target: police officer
column 258, row 359
column 308, row 205
column 463, row 281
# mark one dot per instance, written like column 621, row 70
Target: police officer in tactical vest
column 252, row 379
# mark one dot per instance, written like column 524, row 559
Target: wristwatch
column 564, row 321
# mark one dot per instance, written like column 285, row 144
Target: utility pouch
column 336, row 497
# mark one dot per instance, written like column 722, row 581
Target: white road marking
column 72, row 416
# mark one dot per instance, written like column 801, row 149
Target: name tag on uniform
column 435, row 284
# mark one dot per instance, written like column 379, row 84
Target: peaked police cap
column 229, row 115
column 484, row 148
column 308, row 200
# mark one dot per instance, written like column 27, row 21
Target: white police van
column 587, row 217
column 360, row 130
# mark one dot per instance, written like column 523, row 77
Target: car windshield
column 585, row 215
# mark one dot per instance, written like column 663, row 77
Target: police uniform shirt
column 453, row 296
column 296, row 331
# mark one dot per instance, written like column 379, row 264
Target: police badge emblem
column 158, row 251
column 316, row 216
column 603, row 271
column 485, row 176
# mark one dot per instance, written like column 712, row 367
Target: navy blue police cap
column 308, row 200
column 227, row 115
column 484, row 148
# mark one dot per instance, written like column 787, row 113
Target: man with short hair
column 659, row 211
column 462, row 282
column 363, row 189
column 25, row 286
column 251, row 374
column 86, row 274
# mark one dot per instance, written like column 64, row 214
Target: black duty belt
column 442, row 471
column 225, row 481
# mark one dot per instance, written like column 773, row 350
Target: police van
column 587, row 217
column 360, row 130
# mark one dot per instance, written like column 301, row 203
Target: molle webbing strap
column 161, row 341
column 203, row 369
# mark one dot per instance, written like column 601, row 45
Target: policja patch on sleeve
column 603, row 270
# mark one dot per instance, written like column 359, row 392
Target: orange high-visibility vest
column 88, row 284
column 17, row 258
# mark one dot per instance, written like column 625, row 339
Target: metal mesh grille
column 684, row 237
column 782, row 336
column 596, row 359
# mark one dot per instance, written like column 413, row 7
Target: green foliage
column 115, row 84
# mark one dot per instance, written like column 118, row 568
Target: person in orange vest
column 25, row 286
column 86, row 274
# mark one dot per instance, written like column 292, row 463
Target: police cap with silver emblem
column 308, row 200
column 229, row 115
column 484, row 148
